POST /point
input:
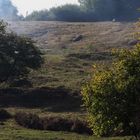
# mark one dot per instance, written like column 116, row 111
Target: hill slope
column 71, row 49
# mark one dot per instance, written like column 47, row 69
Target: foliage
column 17, row 55
column 8, row 11
column 39, row 15
column 67, row 12
column 90, row 10
column 52, row 123
column 112, row 96
column 88, row 4
column 28, row 120
column 109, row 9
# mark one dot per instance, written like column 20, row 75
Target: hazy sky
column 31, row 5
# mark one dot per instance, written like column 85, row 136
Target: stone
column 77, row 38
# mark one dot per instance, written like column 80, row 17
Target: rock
column 77, row 38
column 133, row 42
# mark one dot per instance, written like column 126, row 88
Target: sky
column 32, row 5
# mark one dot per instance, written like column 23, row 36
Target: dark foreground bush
column 4, row 115
column 56, row 124
column 28, row 120
column 21, row 83
column 52, row 123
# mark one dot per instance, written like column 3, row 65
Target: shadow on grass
column 54, row 100
column 97, row 56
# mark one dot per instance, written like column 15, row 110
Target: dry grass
column 58, row 35
column 68, row 64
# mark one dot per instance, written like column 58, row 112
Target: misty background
column 8, row 11
column 86, row 10
column 36, row 5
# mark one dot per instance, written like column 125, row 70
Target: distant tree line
column 91, row 10
column 8, row 11
column 67, row 12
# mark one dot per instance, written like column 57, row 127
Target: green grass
column 11, row 131
column 70, row 71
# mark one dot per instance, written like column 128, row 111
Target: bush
column 52, row 123
column 112, row 96
column 4, row 115
column 28, row 120
column 56, row 124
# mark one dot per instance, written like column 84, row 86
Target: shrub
column 52, row 123
column 112, row 96
column 56, row 124
column 61, row 124
column 28, row 120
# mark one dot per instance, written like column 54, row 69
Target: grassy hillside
column 70, row 50
column 68, row 61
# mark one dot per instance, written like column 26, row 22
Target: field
column 68, row 63
column 70, row 50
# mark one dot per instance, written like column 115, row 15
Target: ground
column 68, row 65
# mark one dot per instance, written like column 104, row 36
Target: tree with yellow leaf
column 112, row 97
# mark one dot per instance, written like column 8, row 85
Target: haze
column 32, row 5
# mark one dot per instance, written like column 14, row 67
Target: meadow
column 70, row 50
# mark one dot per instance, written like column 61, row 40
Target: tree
column 17, row 55
column 68, row 12
column 90, row 10
column 38, row 16
column 8, row 11
column 108, row 9
column 88, row 4
column 112, row 97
